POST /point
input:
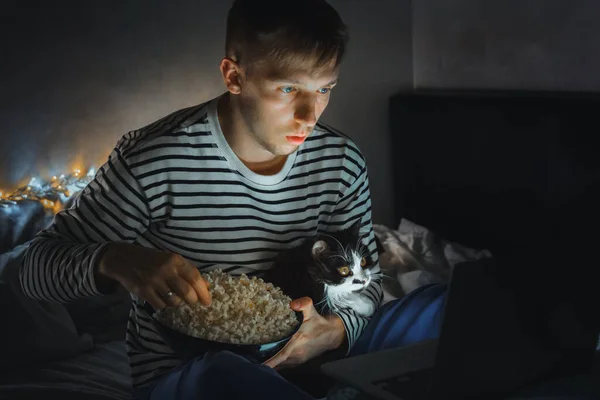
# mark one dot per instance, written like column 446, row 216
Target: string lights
column 52, row 194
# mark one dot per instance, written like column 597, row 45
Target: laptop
column 497, row 336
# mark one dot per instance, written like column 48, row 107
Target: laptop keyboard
column 409, row 386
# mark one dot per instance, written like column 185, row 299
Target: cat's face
column 341, row 261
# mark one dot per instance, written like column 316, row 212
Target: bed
column 475, row 175
column 72, row 351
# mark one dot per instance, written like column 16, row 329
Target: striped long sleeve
column 357, row 204
column 60, row 262
column 177, row 186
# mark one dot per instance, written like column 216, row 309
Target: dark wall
column 518, row 44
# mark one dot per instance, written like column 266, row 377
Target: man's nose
column 306, row 114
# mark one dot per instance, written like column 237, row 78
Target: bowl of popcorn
column 247, row 316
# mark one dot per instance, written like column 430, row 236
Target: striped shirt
column 176, row 185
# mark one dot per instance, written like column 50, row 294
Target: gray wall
column 94, row 70
column 525, row 44
column 379, row 64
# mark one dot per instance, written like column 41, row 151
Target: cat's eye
column 363, row 262
column 344, row 271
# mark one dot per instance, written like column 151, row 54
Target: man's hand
column 317, row 335
column 150, row 274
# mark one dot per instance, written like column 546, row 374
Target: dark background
column 76, row 75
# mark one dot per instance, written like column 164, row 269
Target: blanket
column 412, row 256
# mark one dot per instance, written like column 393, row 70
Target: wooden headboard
column 495, row 170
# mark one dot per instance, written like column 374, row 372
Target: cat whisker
column 364, row 251
column 320, row 302
column 381, row 275
column 359, row 243
column 362, row 236
column 338, row 242
column 365, row 235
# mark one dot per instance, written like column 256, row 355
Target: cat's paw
column 360, row 303
column 365, row 308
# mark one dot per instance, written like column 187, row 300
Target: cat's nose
column 359, row 282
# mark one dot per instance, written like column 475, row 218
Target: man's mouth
column 296, row 140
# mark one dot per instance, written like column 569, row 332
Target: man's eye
column 287, row 89
column 324, row 90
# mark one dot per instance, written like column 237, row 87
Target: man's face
column 281, row 108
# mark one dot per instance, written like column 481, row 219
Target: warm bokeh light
column 52, row 194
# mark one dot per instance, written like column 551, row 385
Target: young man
column 227, row 183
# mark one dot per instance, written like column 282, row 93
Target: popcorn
column 243, row 311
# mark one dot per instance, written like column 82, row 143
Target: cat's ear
column 319, row 247
column 355, row 228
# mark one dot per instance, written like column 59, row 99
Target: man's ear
column 319, row 247
column 232, row 75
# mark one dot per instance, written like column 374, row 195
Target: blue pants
column 224, row 375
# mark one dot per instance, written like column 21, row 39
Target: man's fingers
column 183, row 289
column 280, row 357
column 304, row 304
column 193, row 277
column 155, row 301
column 163, row 289
column 274, row 361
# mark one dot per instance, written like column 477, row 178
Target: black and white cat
column 332, row 269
